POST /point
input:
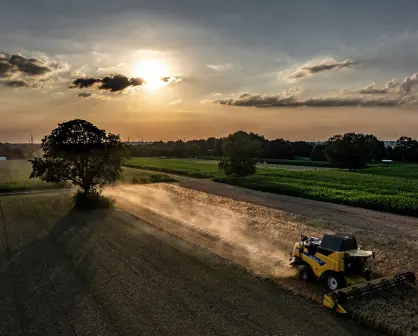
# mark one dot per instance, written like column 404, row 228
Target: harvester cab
column 342, row 266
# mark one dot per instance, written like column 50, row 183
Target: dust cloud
column 235, row 230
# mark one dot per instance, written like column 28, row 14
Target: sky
column 188, row 69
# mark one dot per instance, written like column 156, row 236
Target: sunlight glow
column 152, row 71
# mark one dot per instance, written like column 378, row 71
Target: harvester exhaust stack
column 334, row 299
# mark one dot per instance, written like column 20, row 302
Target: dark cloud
column 119, row 82
column 5, row 68
column 84, row 94
column 320, row 66
column 288, row 100
column 84, row 82
column 112, row 83
column 19, row 71
column 16, row 63
column 16, row 83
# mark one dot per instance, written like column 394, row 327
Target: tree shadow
column 43, row 288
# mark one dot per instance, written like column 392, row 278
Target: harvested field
column 14, row 176
column 260, row 238
column 64, row 272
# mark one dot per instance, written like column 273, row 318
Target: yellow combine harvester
column 342, row 266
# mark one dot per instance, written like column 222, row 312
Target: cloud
column 288, row 99
column 91, row 95
column 16, row 63
column 392, row 84
column 14, row 83
column 219, row 67
column 112, row 83
column 372, row 89
column 84, row 82
column 21, row 71
column 116, row 82
column 5, row 68
column 408, row 83
column 315, row 67
column 171, row 79
column 84, row 94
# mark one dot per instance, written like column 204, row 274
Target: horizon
column 159, row 70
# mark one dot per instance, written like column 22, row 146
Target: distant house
column 3, row 158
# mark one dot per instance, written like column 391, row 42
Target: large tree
column 79, row 153
column 318, row 153
column 240, row 153
column 351, row 150
column 406, row 149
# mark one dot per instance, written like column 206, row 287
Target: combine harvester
column 343, row 267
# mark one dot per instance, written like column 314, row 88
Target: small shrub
column 143, row 179
column 91, row 200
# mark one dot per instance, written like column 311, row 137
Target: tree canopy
column 351, row 150
column 240, row 153
column 406, row 149
column 79, row 153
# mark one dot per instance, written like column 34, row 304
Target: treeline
column 406, row 149
column 19, row 151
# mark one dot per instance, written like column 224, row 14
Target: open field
column 192, row 168
column 14, row 176
column 384, row 193
column 64, row 272
column 392, row 188
column 394, row 170
column 202, row 168
column 231, row 222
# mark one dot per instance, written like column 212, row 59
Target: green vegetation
column 240, row 151
column 137, row 176
column 371, row 190
column 299, row 162
column 192, row 168
column 14, row 176
column 392, row 188
column 394, row 170
column 80, row 154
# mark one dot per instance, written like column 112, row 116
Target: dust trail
column 230, row 228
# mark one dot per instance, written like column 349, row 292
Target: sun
column 152, row 71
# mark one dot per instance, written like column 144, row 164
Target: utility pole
column 31, row 139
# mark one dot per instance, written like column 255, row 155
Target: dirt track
column 343, row 215
column 108, row 273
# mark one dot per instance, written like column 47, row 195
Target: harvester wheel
column 334, row 281
column 305, row 273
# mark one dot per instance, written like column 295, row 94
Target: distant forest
column 406, row 149
column 19, row 151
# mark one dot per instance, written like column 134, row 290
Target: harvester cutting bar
column 334, row 299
